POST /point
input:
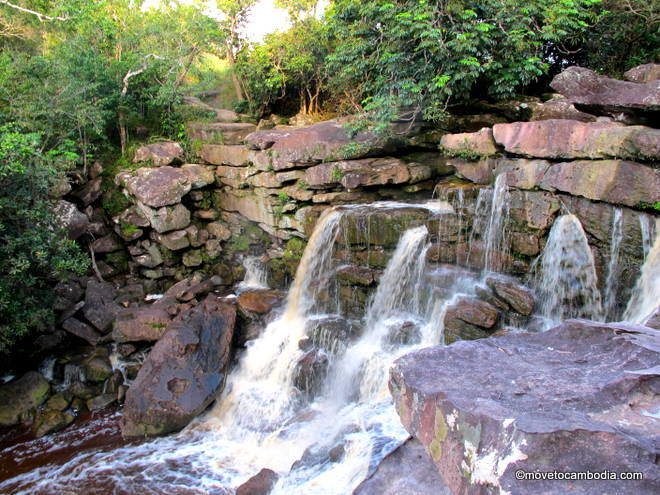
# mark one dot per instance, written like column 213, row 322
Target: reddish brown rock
column 82, row 330
column 100, row 309
column 158, row 187
column 558, row 108
column 220, row 132
column 145, row 323
column 643, row 73
column 160, row 154
column 198, row 175
column 260, row 484
column 561, row 139
column 260, row 301
column 479, row 143
column 605, row 96
column 577, row 398
column 520, row 298
column 352, row 274
column 183, row 372
column 474, row 311
column 107, row 244
column 357, row 173
column 479, row 172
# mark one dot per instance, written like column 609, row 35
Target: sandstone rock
column 406, row 471
column 183, row 372
column 166, row 218
column 562, row 139
column 100, row 308
column 575, row 398
column 357, row 275
column 146, row 323
column 235, row 155
column 50, row 421
column 160, row 186
column 520, row 298
column 438, row 162
column 380, row 226
column 70, row 219
column 90, row 192
column 160, row 154
column 260, row 484
column 20, row 396
column 259, row 301
column 479, row 143
column 474, row 311
column 219, row 230
column 250, row 205
column 67, row 293
column 199, row 175
column 174, row 240
column 356, row 173
column 82, row 330
column 479, row 172
column 197, row 289
column 97, row 369
column 559, row 108
column 192, row 258
column 220, row 132
column 325, row 141
column 236, row 177
column 643, row 73
column 344, row 197
column 605, row 96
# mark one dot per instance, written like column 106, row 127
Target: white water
column 648, row 227
column 497, row 247
column 566, row 283
column 645, row 297
column 613, row 269
column 256, row 276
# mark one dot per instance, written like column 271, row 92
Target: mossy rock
column 21, row 396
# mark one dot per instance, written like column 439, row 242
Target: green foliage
column 336, row 174
column 294, row 249
column 283, row 196
column 34, row 250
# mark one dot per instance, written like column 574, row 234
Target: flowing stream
column 645, row 296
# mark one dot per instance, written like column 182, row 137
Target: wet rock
column 100, row 308
column 575, row 398
column 156, row 187
column 479, row 172
column 260, row 301
column 220, row 132
column 50, row 421
column 97, row 369
column 469, row 319
column 568, row 139
column 167, row 218
column 160, row 154
column 59, row 402
column 310, row 372
column 260, row 484
column 643, row 73
column 84, row 391
column 478, row 143
column 408, row 470
column 352, row 274
column 520, row 298
column 82, row 330
column 146, row 323
column 602, row 95
column 70, row 219
column 183, row 372
column 101, row 401
column 380, row 226
column 112, row 384
column 358, row 173
column 20, row 396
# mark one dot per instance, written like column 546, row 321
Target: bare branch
column 39, row 15
column 136, row 72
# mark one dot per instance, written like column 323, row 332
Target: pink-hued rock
column 220, row 132
column 158, row 187
column 183, row 372
column 643, row 73
column 480, row 143
column 145, row 323
column 579, row 397
column 479, row 172
column 562, row 139
column 602, row 95
column 356, row 173
column 558, row 108
column 160, row 154
column 520, row 298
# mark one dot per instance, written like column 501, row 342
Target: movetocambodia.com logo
column 576, row 475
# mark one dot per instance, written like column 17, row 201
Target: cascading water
column 496, row 231
column 645, row 296
column 648, row 227
column 566, row 282
column 613, row 269
column 256, row 276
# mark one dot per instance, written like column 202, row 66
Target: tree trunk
column 123, row 131
column 234, row 76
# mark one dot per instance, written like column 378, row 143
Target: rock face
column 183, row 372
column 602, row 95
column 159, row 154
column 355, row 173
column 568, row 139
column 480, row 143
column 575, row 398
column 160, row 186
column 406, row 471
column 21, row 396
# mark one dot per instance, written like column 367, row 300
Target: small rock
column 259, row 301
column 101, row 401
column 260, row 484
column 50, row 420
column 59, row 402
column 97, row 369
column 519, row 298
column 82, row 330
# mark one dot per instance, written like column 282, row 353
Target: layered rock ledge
column 580, row 397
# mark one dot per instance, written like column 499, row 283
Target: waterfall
column 566, row 281
column 645, row 296
column 647, row 226
column 255, row 274
column 610, row 292
column 495, row 257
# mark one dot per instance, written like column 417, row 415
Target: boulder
column 145, row 323
column 67, row 293
column 220, row 132
column 21, row 396
column 166, row 218
column 198, row 175
column 250, row 205
column 558, row 108
column 97, row 369
column 236, row 177
column 579, row 397
column 325, row 141
column 569, row 139
column 643, row 73
column 70, row 218
column 355, row 173
column 101, row 401
column 260, row 484
column 310, row 371
column 183, row 372
column 90, row 192
column 469, row 319
column 160, row 154
column 520, row 298
column 260, row 301
column 219, row 230
column 602, row 95
column 100, row 309
column 160, row 186
column 408, row 470
column 477, row 144
column 82, row 330
column 49, row 421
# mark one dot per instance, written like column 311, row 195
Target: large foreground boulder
column 580, row 397
column 21, row 396
column 184, row 371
